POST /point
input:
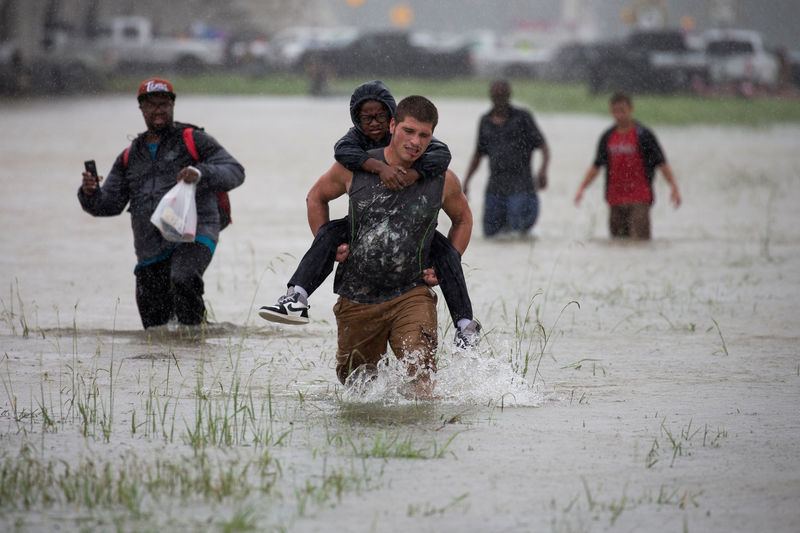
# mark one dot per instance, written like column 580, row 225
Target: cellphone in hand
column 91, row 168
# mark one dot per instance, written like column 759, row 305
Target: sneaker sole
column 280, row 318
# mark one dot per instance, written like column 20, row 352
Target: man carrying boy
column 631, row 154
column 371, row 108
column 382, row 296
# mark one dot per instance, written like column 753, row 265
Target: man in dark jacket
column 509, row 135
column 169, row 276
column 631, row 154
column 372, row 106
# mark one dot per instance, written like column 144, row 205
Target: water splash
column 474, row 376
column 470, row 377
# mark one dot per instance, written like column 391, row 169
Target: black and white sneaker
column 469, row 335
column 292, row 308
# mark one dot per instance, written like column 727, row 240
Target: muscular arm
column 455, row 205
column 331, row 185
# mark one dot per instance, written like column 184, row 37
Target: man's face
column 500, row 94
column 157, row 112
column 410, row 138
column 622, row 113
column 373, row 119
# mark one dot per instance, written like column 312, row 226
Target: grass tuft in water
column 679, row 442
column 724, row 349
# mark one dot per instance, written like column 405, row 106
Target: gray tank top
column 390, row 236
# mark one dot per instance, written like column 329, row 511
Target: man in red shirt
column 631, row 154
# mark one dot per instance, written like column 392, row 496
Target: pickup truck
column 390, row 53
column 646, row 61
column 129, row 42
column 739, row 56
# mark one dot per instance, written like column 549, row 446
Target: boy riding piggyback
column 372, row 106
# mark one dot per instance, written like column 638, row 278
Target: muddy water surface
column 661, row 380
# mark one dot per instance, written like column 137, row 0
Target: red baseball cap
column 155, row 86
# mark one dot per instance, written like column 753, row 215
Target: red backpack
column 222, row 196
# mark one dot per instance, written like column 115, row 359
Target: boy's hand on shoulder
column 394, row 178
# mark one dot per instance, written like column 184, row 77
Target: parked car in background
column 739, row 56
column 13, row 78
column 71, row 59
column 59, row 69
column 129, row 42
column 251, row 54
column 517, row 55
column 569, row 63
column 662, row 61
column 289, row 46
column 390, row 53
column 792, row 66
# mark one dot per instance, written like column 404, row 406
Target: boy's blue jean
column 517, row 212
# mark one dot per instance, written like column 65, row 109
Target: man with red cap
column 169, row 276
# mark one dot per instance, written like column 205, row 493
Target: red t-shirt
column 627, row 182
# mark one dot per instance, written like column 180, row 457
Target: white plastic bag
column 176, row 214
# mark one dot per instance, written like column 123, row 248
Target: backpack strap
column 188, row 140
column 224, row 201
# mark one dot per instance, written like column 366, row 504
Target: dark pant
column 630, row 221
column 517, row 212
column 318, row 262
column 173, row 286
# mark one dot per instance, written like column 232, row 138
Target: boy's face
column 622, row 113
column 374, row 119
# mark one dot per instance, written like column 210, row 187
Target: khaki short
column 406, row 323
column 630, row 220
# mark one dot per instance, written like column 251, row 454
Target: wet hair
column 620, row 97
column 417, row 107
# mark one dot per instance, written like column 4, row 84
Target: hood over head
column 371, row 90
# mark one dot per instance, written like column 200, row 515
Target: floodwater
column 618, row 387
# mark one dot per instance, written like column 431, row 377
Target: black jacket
column 351, row 150
column 142, row 182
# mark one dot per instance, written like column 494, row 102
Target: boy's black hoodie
column 351, row 150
